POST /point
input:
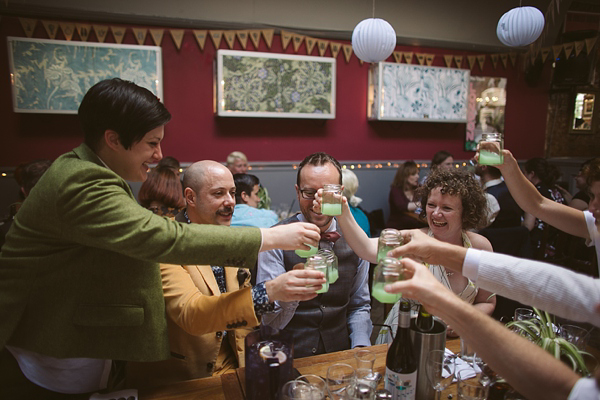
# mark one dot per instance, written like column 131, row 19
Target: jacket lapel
column 209, row 278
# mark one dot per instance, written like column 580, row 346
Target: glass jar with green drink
column 319, row 263
column 490, row 149
column 389, row 270
column 332, row 200
column 388, row 240
column 332, row 264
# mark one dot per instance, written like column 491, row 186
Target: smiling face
column 312, row 178
column 212, row 200
column 132, row 164
column 239, row 166
column 444, row 215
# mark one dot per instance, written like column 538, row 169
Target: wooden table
column 232, row 386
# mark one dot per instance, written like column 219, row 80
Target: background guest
column 441, row 159
column 161, row 193
column 403, row 204
column 581, row 199
column 170, row 162
column 246, row 212
column 510, row 214
column 350, row 183
column 237, row 162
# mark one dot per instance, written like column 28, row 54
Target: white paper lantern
column 520, row 26
column 373, row 40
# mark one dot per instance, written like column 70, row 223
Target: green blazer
column 79, row 273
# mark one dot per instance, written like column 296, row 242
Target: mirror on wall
column 583, row 113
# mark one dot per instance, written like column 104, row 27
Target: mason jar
column 490, row 149
column 332, row 200
column 389, row 239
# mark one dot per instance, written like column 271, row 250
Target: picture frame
column 270, row 85
column 52, row 76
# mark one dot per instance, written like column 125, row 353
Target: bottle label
column 401, row 386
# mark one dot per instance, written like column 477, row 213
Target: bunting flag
column 297, row 41
column 322, row 46
column 177, row 36
column 200, row 36
column 101, row 32
column 216, row 37
column 481, row 61
column 589, row 44
column 471, row 60
column 310, row 44
column 347, row 52
column 504, row 59
column 556, row 50
column 494, row 58
column 268, row 35
column 140, row 35
column 545, row 51
column 68, row 30
column 513, row 58
column 421, row 58
column 397, row 56
column 448, row 60
column 335, row 48
column 229, row 38
column 28, row 25
column 458, row 61
column 242, row 38
column 157, row 36
column 579, row 45
column 254, row 35
column 118, row 33
column 408, row 57
column 51, row 28
column 568, row 49
column 83, row 30
column 285, row 38
column 429, row 59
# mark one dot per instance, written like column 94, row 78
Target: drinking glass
column 332, row 264
column 523, row 314
column 389, row 270
column 365, row 360
column 318, row 387
column 340, row 377
column 440, row 370
column 468, row 354
column 576, row 335
column 307, row 253
column 388, row 240
column 469, row 387
column 319, row 263
column 490, row 149
column 332, row 200
column 296, row 390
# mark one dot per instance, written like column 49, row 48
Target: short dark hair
column 546, row 172
column 439, row 158
column 27, row 175
column 493, row 172
column 162, row 186
column 121, row 106
column 591, row 171
column 318, row 159
column 244, row 183
column 457, row 183
column 169, row 162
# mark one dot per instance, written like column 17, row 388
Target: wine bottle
column 401, row 362
column 424, row 320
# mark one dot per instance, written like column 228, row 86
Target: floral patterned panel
column 415, row 92
column 276, row 85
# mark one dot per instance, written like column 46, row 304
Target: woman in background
column 404, row 209
column 350, row 182
column 161, row 193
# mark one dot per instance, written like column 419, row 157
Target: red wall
column 195, row 133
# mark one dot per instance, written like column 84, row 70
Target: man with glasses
column 340, row 318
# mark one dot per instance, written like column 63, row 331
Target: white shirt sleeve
column 585, row 389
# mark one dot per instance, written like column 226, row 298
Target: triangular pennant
column 200, row 36
column 408, row 57
column 229, row 38
column 421, row 58
column 83, row 30
column 310, row 44
column 255, row 37
column 68, row 30
column 177, row 35
column 51, row 28
column 556, row 50
column 429, row 59
column 101, row 32
column 216, row 37
column 494, row 58
column 242, row 38
column 513, row 58
column 157, row 36
column 579, row 45
column 481, row 60
column 285, row 38
column 268, row 35
column 458, row 61
column 118, row 33
column 140, row 35
column 397, row 56
column 28, row 25
column 589, row 44
column 322, row 46
column 545, row 51
column 335, row 48
column 347, row 52
column 297, row 41
column 448, row 60
column 569, row 49
column 504, row 59
column 471, row 60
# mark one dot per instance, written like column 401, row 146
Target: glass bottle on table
column 401, row 361
column 389, row 270
column 424, row 321
column 388, row 240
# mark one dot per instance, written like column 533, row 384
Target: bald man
column 210, row 309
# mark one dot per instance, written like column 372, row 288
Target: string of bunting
column 296, row 40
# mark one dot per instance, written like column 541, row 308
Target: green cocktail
column 333, row 275
column 490, row 158
column 324, row 289
column 331, row 209
column 307, row 253
column 382, row 296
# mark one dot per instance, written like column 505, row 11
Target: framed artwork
column 583, row 118
column 406, row 92
column 52, row 76
column 253, row 84
column 485, row 111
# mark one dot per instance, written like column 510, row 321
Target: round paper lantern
column 520, row 26
column 373, row 40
